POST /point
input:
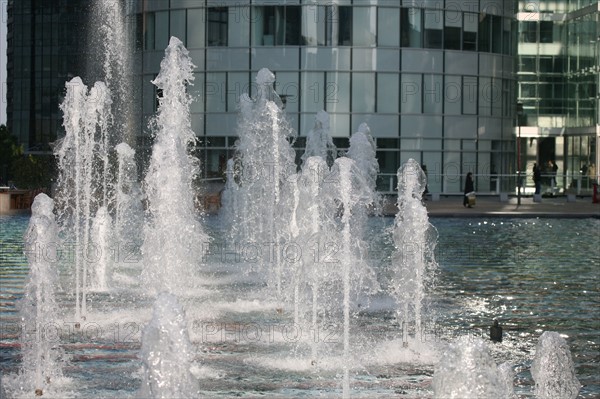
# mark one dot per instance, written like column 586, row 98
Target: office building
column 46, row 48
column 558, row 83
column 434, row 79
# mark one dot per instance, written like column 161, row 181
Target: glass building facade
column 558, row 83
column 44, row 51
column 434, row 79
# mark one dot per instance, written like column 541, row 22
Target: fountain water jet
column 167, row 353
column 81, row 187
column 466, row 369
column 362, row 151
column 230, row 209
column 319, row 142
column 354, row 196
column 414, row 242
column 129, row 213
column 111, row 63
column 101, row 239
column 41, row 365
column 553, row 369
column 265, row 190
column 173, row 236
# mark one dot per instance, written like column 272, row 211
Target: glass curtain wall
column 432, row 79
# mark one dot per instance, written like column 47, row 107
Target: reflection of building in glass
column 44, row 51
column 558, row 72
column 434, row 79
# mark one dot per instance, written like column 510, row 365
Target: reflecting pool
column 533, row 275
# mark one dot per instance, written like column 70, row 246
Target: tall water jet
column 553, row 369
column 129, row 212
column 267, row 159
column 173, row 236
column 318, row 140
column 110, row 36
column 41, row 365
column 167, row 353
column 362, row 151
column 414, row 246
column 353, row 194
column 348, row 202
column 230, row 208
column 317, row 272
column 81, row 187
column 466, row 369
column 101, row 240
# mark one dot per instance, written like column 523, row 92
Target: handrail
column 574, row 183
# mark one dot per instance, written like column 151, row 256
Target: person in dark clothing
column 537, row 178
column 469, row 188
column 553, row 173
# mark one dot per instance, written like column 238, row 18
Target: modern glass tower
column 434, row 79
column 45, row 49
column 558, row 72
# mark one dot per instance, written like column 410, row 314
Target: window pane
column 546, row 31
column 432, row 94
column 506, row 36
column 215, row 90
column 313, row 26
column 452, row 27
column 312, row 91
column 388, row 161
column 470, row 24
column 363, row 92
column 217, row 26
column 496, row 34
column 339, row 25
column 257, row 18
column 150, row 31
column 484, row 33
column 451, row 38
column 237, row 83
column 195, row 28
column 485, row 96
column 277, row 26
column 547, row 65
column 364, row 26
column 388, row 87
column 162, row 30
column 528, row 32
column 433, row 28
column 496, row 97
column 469, row 95
column 177, row 25
column 239, row 26
column 291, row 25
column 528, row 90
column 272, row 23
column 388, row 28
column 410, row 27
column 432, row 161
column 337, row 92
column 452, row 95
column 410, row 93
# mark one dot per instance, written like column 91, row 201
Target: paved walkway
column 490, row 206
